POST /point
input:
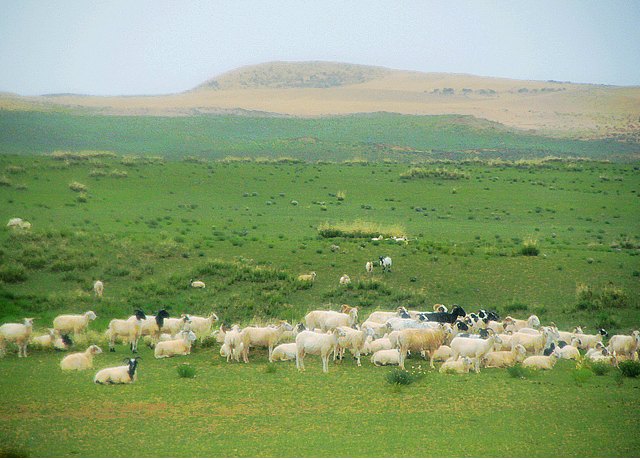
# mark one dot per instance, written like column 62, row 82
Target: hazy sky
column 155, row 47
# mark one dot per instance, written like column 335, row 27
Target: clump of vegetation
column 359, row 229
column 5, row 181
column 629, row 368
column 437, row 173
column 341, row 195
column 186, row 371
column 400, row 377
column 518, row 371
column 78, row 187
column 581, row 375
column 81, row 155
column 12, row 273
column 609, row 297
column 270, row 368
column 530, row 247
column 600, row 368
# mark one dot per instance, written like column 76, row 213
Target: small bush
column 600, row 368
column 12, row 274
column 437, row 173
column 630, row 368
column 400, row 377
column 186, row 371
column 341, row 195
column 517, row 371
column 270, row 368
column 530, row 248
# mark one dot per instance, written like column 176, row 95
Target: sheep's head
column 95, row 350
column 140, row 315
column 353, row 315
column 91, row 315
column 603, row 332
column 213, row 317
column 286, row 326
column 28, row 322
column 458, row 311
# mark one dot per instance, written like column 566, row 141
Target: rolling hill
column 319, row 89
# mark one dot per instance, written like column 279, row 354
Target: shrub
column 600, row 368
column 629, row 368
column 437, row 173
column 341, row 195
column 517, row 371
column 400, row 377
column 530, row 248
column 608, row 298
column 186, row 371
column 359, row 229
column 12, row 274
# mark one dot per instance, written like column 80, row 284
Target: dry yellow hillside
column 319, row 89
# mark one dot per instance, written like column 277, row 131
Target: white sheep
column 313, row 343
column 540, row 362
column 262, row 337
column 379, row 329
column 232, row 346
column 127, row 329
column 459, row 366
column 353, row 340
column 310, row 278
column 473, row 348
column 52, row 340
column 385, row 263
column 98, row 288
column 368, row 267
column 328, row 319
column 197, row 284
column 533, row 343
column 505, row 358
column 18, row 223
column 378, row 344
column 171, row 348
column 119, row 374
column 390, row 357
column 201, row 326
column 569, row 351
column 174, row 325
column 344, row 280
column 383, row 316
column 284, row 352
column 73, row 323
column 443, row 353
column 625, row 345
column 566, row 336
column 511, row 324
column 80, row 361
column 588, row 341
column 16, row 333
column 424, row 341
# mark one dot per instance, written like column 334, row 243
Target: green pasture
column 146, row 226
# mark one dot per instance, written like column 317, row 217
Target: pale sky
column 116, row 47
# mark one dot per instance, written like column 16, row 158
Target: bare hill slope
column 312, row 89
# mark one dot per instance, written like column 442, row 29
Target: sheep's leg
column 402, row 355
column 431, row 355
column 477, row 365
column 358, row 357
column 325, row 363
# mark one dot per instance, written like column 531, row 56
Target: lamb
column 505, row 358
column 514, row 325
column 625, row 345
column 197, row 284
column 328, row 319
column 119, row 374
column 171, row 348
column 368, row 267
column 201, row 326
column 382, row 316
column 130, row 330
column 540, row 362
column 379, row 330
column 589, row 340
column 314, row 343
column 473, row 348
column 98, row 288
column 569, row 351
column 310, row 278
column 80, row 361
column 73, row 323
column 385, row 263
column 389, row 357
column 53, row 340
column 290, row 336
column 354, row 340
column 460, row 366
column 344, row 280
column 17, row 333
column 262, row 337
column 443, row 353
column 425, row 341
column 284, row 352
column 379, row 344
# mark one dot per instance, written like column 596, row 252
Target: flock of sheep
column 460, row 340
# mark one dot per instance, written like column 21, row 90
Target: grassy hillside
column 373, row 137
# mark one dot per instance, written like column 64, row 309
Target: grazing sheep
column 383, row 316
column 390, row 357
column 459, row 366
column 201, row 326
column 232, row 345
column 569, row 351
column 354, row 340
column 98, row 288
column 334, row 248
column 128, row 329
column 473, row 348
column 181, row 346
column 567, row 336
column 284, row 352
column 328, row 319
column 18, row 334
column 378, row 238
column 544, row 363
column 368, row 267
column 174, row 325
column 533, row 343
column 310, row 278
column 197, row 284
column 80, row 361
column 314, row 343
column 18, row 223
column 514, row 325
column 496, row 326
column 505, row 358
column 424, row 341
column 119, row 374
column 73, row 323
column 344, row 280
column 379, row 330
column 625, row 345
column 385, row 263
column 262, row 337
column 588, row 341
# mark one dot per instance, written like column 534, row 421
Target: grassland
column 146, row 225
